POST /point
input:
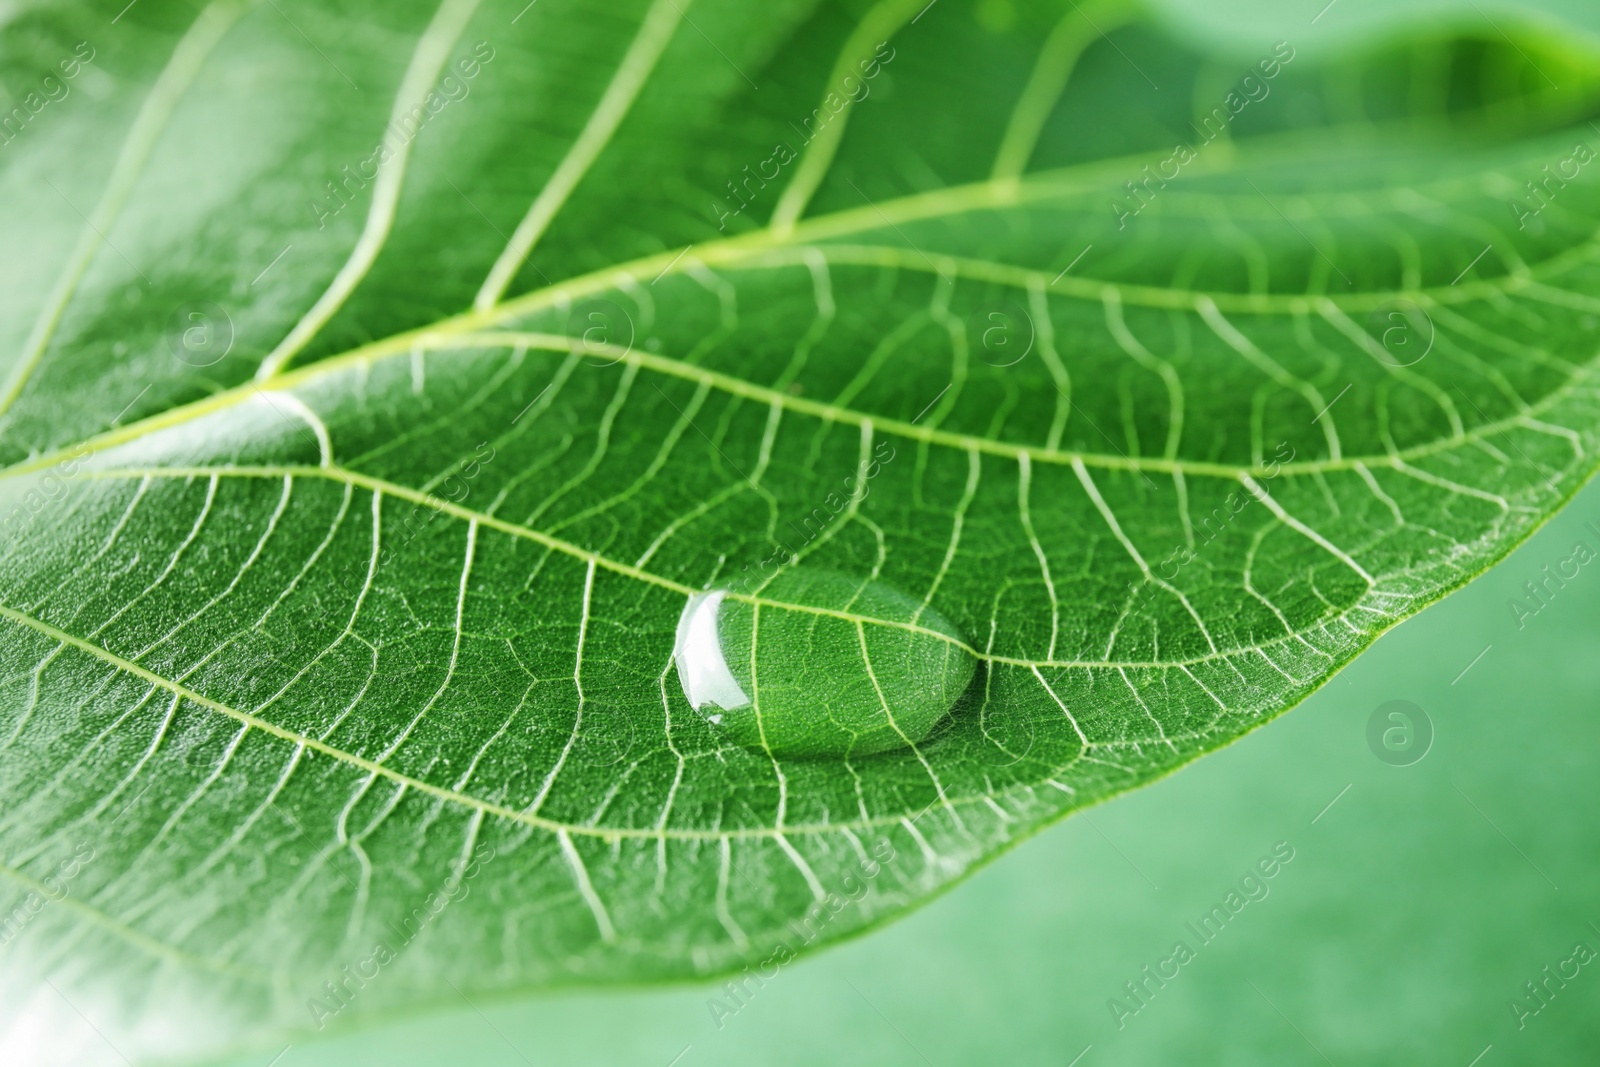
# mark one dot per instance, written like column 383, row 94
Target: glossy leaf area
column 358, row 593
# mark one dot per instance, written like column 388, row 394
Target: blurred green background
column 1414, row 909
column 1247, row 23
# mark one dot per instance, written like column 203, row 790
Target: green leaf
column 385, row 384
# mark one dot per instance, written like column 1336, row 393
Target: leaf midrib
column 767, row 244
column 439, row 340
column 400, row 492
column 611, row 834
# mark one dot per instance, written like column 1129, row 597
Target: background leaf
column 377, row 606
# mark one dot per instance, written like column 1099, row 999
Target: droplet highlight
column 702, row 668
column 813, row 664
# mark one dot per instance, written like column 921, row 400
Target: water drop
column 815, row 664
